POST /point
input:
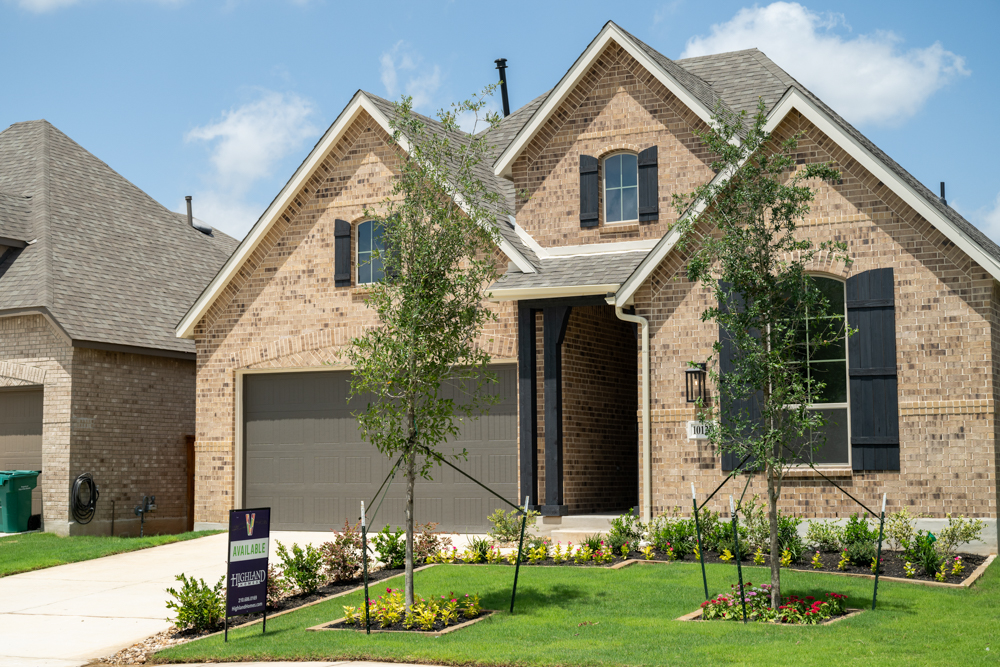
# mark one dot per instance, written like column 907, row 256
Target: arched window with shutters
column 370, row 247
column 628, row 188
column 621, row 188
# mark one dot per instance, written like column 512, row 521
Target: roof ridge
column 43, row 215
column 721, row 53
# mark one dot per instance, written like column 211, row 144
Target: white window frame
column 604, row 188
column 358, row 251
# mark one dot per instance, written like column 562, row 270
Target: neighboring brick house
column 94, row 275
column 595, row 293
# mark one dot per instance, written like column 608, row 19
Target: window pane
column 833, row 290
column 835, row 449
column 630, row 203
column 799, row 450
column 834, row 375
column 827, row 339
column 377, row 233
column 629, row 170
column 614, row 206
column 364, row 238
column 378, row 273
column 613, row 171
column 364, row 268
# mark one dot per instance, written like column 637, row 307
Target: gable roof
column 111, row 266
column 511, row 243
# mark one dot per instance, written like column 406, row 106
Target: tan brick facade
column 122, row 417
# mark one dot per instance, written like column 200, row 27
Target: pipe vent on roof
column 943, row 200
column 201, row 226
column 502, row 66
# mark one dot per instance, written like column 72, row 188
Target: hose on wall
column 84, row 503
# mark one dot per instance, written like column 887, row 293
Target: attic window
column 621, row 188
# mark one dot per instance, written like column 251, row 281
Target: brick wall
column 33, row 353
column 617, row 106
column 283, row 310
column 131, row 414
column 945, row 309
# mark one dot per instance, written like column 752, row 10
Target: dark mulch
column 294, row 601
column 399, row 627
column 892, row 564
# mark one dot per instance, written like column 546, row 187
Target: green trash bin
column 15, row 499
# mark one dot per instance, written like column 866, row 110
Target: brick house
column 596, row 322
column 94, row 275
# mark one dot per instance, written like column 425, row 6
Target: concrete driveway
column 69, row 615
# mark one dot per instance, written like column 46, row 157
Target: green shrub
column 277, row 586
column 342, row 556
column 625, row 529
column 722, row 538
column 899, row 530
column 788, row 536
column 677, row 532
column 594, row 542
column 302, row 566
column 427, row 543
column 507, row 525
column 958, row 531
column 754, row 516
column 479, row 548
column 858, row 530
column 861, row 552
column 391, row 547
column 198, row 605
column 923, row 550
column 825, row 535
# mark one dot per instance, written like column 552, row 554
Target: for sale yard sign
column 246, row 580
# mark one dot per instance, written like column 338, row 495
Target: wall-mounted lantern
column 695, row 377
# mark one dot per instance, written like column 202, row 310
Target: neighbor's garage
column 21, row 434
column 304, row 457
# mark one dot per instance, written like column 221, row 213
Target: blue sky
column 222, row 99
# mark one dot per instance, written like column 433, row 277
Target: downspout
column 647, row 469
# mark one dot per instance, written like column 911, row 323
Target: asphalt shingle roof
column 610, row 268
column 110, row 264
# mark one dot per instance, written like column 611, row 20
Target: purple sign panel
column 246, row 581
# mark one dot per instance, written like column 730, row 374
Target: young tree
column 741, row 233
column 438, row 231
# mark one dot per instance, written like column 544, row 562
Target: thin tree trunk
column 411, row 475
column 772, row 519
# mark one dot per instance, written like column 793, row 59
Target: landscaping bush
column 858, row 530
column 342, row 556
column 825, row 535
column 594, row 542
column 677, row 533
column 899, row 530
column 721, row 539
column 199, row 606
column 788, row 536
column 754, row 516
column 506, row 528
column 277, row 586
column 625, row 529
column 478, row 551
column 391, row 547
column 427, row 543
column 958, row 531
column 302, row 566
column 924, row 551
column 389, row 610
column 861, row 552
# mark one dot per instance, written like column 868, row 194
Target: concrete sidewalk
column 70, row 615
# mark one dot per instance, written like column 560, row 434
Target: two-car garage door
column 305, row 458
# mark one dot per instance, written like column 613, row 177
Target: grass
column 34, row 551
column 632, row 612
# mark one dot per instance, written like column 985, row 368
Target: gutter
column 647, row 470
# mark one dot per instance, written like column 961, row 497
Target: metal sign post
column 520, row 545
column 246, row 569
column 697, row 528
column 878, row 559
column 739, row 567
column 364, row 559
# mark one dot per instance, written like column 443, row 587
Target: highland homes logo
column 250, row 520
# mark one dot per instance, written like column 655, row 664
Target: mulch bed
column 439, row 627
column 892, row 564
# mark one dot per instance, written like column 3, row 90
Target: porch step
column 573, row 528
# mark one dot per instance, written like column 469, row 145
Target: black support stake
column 878, row 559
column 520, row 545
column 739, row 567
column 697, row 528
column 364, row 560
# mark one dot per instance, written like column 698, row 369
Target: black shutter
column 590, row 188
column 342, row 253
column 748, row 407
column 871, row 352
column 649, row 192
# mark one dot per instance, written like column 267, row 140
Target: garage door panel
column 306, row 457
column 21, row 435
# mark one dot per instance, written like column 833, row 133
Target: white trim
column 360, row 102
column 521, row 293
column 601, row 248
column 792, row 99
column 609, row 33
column 528, row 240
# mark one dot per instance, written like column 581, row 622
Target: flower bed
column 434, row 615
column 794, row 610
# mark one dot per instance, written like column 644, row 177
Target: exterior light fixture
column 695, row 382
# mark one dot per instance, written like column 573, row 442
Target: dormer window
column 621, row 188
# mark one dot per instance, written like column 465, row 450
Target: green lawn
column 34, row 551
column 632, row 612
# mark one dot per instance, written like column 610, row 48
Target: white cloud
column 865, row 78
column 247, row 143
column 987, row 218
column 420, row 82
column 42, row 6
